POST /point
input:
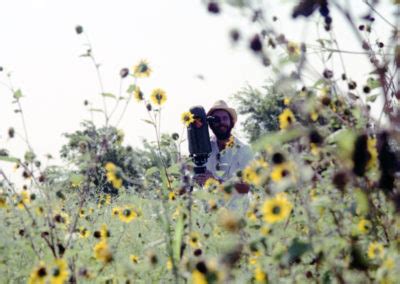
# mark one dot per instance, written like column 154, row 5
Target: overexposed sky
column 178, row 38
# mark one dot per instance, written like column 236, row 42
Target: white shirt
column 224, row 165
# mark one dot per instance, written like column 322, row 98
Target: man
column 229, row 154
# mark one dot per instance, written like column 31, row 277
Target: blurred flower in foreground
column 142, row 70
column 158, row 97
column 102, row 252
column 286, row 119
column 138, row 94
column 187, row 118
column 59, row 272
column 276, row 209
column 38, row 275
column 127, row 215
column 112, row 177
column 375, row 250
column 364, row 226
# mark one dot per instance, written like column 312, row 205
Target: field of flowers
column 325, row 191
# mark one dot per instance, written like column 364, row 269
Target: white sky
column 178, row 38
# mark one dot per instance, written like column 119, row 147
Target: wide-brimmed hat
column 221, row 104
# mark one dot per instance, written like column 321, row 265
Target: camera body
column 199, row 138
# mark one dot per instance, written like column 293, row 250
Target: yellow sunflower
column 231, row 142
column 112, row 175
column 259, row 275
column 115, row 211
column 375, row 250
column 59, row 272
column 280, row 171
column 364, row 226
column 158, row 97
column 194, row 240
column 171, row 196
column 84, row 233
column 142, row 70
column 286, row 119
column 138, row 94
column 134, row 259
column 198, row 277
column 211, row 184
column 187, row 118
column 3, row 202
column 38, row 275
column 24, row 199
column 371, row 148
column 276, row 209
column 102, row 252
column 127, row 214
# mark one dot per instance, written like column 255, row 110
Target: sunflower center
column 276, row 210
column 56, row 272
column 42, row 272
column 127, row 212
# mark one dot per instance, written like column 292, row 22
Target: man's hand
column 242, row 187
column 201, row 178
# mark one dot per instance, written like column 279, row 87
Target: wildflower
column 293, row 50
column 111, row 174
column 134, row 259
column 286, row 101
column 38, row 210
column 38, row 275
column 158, row 97
column 104, row 233
column 59, row 272
column 171, row 196
column 212, row 204
column 388, row 263
column 198, row 277
column 375, row 250
column 142, row 70
column 280, row 171
column 211, row 184
column 276, row 209
column 84, row 233
column 256, row 44
column 194, row 240
column 115, row 211
column 371, row 148
column 187, row 118
column 102, row 252
column 82, row 213
column 229, row 221
column 259, row 275
column 364, row 226
column 169, row 264
column 24, row 199
column 127, row 215
column 3, row 202
column 231, row 142
column 252, row 174
column 138, row 94
column 286, row 119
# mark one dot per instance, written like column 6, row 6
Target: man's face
column 223, row 128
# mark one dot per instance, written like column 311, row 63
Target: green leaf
column 131, row 88
column 108, row 95
column 178, row 238
column 76, row 179
column 17, row 94
column 372, row 98
column 174, row 169
column 362, row 202
column 373, row 83
column 344, row 139
column 151, row 171
column 96, row 109
column 148, row 121
column 9, row 159
column 277, row 138
column 296, row 250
